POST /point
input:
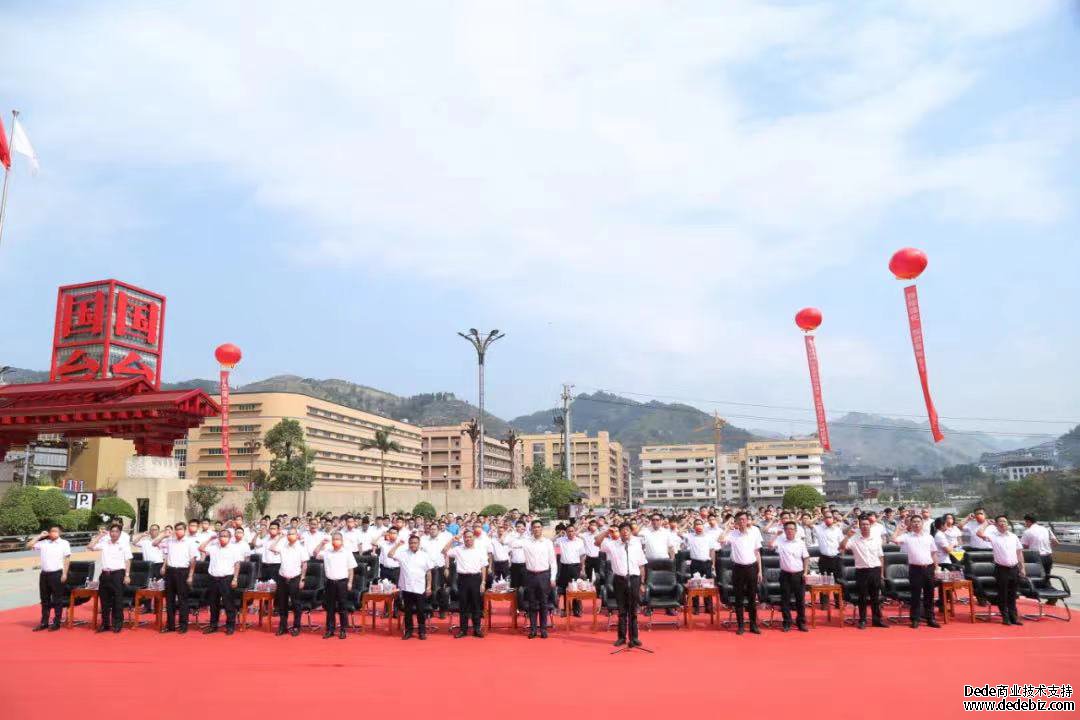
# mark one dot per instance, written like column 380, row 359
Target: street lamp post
column 481, row 343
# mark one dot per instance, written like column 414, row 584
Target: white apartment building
column 685, row 476
column 770, row 468
column 1016, row 470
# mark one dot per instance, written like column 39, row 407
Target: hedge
column 75, row 520
column 493, row 509
column 113, row 507
column 49, row 505
column 803, row 497
column 424, row 509
column 18, row 520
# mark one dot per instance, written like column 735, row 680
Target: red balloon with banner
column 808, row 320
column 227, row 355
column 908, row 264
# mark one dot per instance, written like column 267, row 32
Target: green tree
column 930, row 494
column 1032, row 495
column 75, row 520
column 803, row 497
column 49, row 504
column 1070, row 447
column 17, row 496
column 258, row 479
column 291, row 467
column 424, row 509
column 493, row 509
column 109, row 509
column 204, row 497
column 383, row 444
column 548, row 489
column 18, row 520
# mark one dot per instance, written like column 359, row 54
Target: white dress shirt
column 1005, row 544
column 433, row 546
column 1037, row 537
column 539, row 555
column 223, row 558
column 700, row 546
column 337, row 563
column 571, row 552
column 942, row 544
column 114, row 555
column 469, row 561
column 744, row 545
column 591, row 548
column 52, row 553
column 150, row 553
column 626, row 559
column 919, row 548
column 414, row 569
column 517, row 553
column 292, row 558
column 384, row 546
column 313, row 539
column 658, row 543
column 263, row 546
column 352, row 539
column 180, row 552
column 500, row 552
column 867, row 551
column 971, row 527
column 791, row 553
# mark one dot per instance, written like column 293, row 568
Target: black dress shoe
column 933, row 624
column 42, row 626
column 477, row 632
column 880, row 624
column 230, row 630
column 182, row 631
column 102, row 629
column 786, row 627
column 543, row 634
column 342, row 634
column 740, row 631
column 166, row 630
column 532, row 633
column 801, row 627
column 54, row 627
column 914, row 624
column 861, row 625
column 406, row 635
column 328, row 634
column 118, row 628
column 281, row 630
column 209, row 630
column 634, row 642
column 295, row 632
column 620, row 642
column 754, row 629
column 460, row 633
column 1017, row 622
column 422, row 635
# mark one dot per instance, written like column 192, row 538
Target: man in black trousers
column 541, row 567
column 869, row 571
column 745, row 542
column 628, row 564
column 290, row 579
column 55, row 555
column 115, row 573
column 470, row 563
column 181, row 553
column 225, row 557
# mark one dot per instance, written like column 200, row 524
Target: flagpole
column 7, row 175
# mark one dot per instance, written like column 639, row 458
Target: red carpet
column 77, row 674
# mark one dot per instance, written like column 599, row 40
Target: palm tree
column 383, row 444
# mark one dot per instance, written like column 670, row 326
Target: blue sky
column 640, row 195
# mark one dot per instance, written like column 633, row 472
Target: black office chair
column 552, row 600
column 727, row 595
column 198, row 597
column 850, row 590
column 1037, row 586
column 79, row 571
column 313, row 592
column 663, row 592
column 898, row 588
column 609, row 601
column 769, row 594
column 984, row 582
column 354, row 597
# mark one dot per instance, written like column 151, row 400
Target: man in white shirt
column 974, row 523
column 1041, row 538
column 828, row 535
column 517, row 555
column 314, row 537
column 264, row 545
column 225, row 556
column 541, row 568
column 338, row 567
column 115, row 573
column 1008, row 565
column 794, row 564
column 922, row 566
column 181, row 552
column 627, row 564
column 745, row 542
column 54, row 553
column 293, row 558
column 593, row 564
column 702, row 547
column 415, row 577
column 571, row 558
column 433, row 543
column 500, row 553
column 352, row 535
column 147, row 546
column 658, row 541
column 470, row 564
column 869, row 572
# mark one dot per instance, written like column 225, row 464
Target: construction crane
column 718, row 424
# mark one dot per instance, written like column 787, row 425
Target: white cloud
column 606, row 147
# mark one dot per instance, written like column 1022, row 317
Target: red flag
column 5, row 152
column 911, row 297
column 815, row 383
column 225, row 424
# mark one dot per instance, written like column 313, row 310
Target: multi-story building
column 333, row 431
column 1019, row 468
column 596, row 463
column 685, row 475
column 770, row 468
column 449, row 456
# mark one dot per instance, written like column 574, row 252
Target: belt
column 540, row 572
column 753, row 565
column 917, row 565
column 461, row 574
column 50, row 572
column 111, row 571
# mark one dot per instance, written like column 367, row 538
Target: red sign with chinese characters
column 107, row 329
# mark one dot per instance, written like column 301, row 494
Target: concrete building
column 596, row 463
column 450, row 457
column 1020, row 468
column 770, row 468
column 685, row 475
column 333, row 431
column 100, row 463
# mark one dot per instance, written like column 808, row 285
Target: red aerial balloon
column 228, row 354
column 808, row 319
column 908, row 263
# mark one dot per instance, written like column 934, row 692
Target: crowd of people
column 416, row 554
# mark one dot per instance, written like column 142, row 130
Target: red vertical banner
column 815, row 383
column 911, row 298
column 225, row 424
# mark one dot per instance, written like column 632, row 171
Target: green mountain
column 635, row 424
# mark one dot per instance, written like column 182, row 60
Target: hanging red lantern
column 908, row 263
column 228, row 355
column 808, row 319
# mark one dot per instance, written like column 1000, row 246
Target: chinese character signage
column 107, row 329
